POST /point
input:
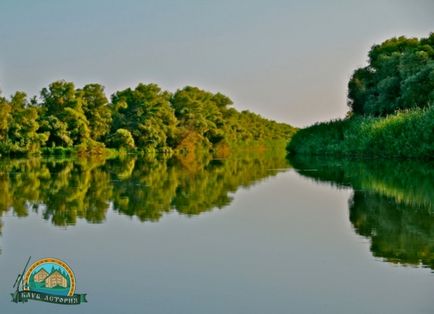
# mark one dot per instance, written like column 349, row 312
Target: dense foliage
column 391, row 101
column 400, row 75
column 65, row 118
column 405, row 135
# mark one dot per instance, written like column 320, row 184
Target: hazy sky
column 287, row 60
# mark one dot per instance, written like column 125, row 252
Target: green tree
column 23, row 129
column 5, row 118
column 97, row 110
column 146, row 113
column 146, row 118
column 201, row 111
column 399, row 76
column 122, row 139
column 63, row 115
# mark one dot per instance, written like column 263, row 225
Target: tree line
column 391, row 102
column 146, row 118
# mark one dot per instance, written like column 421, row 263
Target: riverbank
column 405, row 134
column 194, row 151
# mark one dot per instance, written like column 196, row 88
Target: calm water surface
column 252, row 233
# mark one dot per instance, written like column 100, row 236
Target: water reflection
column 392, row 204
column 63, row 191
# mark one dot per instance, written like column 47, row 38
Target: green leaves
column 97, row 110
column 406, row 134
column 122, row 139
column 399, row 76
column 209, row 115
column 62, row 107
column 145, row 118
column 146, row 113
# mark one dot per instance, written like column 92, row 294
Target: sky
column 287, row 60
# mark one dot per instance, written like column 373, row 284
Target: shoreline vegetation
column 145, row 121
column 391, row 108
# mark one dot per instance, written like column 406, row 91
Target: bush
column 122, row 139
column 406, row 134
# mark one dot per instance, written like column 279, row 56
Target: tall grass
column 406, row 134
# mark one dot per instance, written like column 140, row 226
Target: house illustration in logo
column 50, row 280
column 40, row 275
column 56, row 279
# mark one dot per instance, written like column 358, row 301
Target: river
column 251, row 233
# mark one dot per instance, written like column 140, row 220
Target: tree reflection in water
column 392, row 204
column 63, row 191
